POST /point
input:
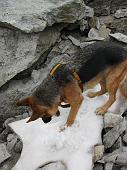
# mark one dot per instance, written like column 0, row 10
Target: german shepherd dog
column 106, row 64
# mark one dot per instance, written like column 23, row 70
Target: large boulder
column 18, row 51
column 34, row 16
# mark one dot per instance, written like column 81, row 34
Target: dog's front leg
column 74, row 110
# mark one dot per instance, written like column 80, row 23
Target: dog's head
column 39, row 111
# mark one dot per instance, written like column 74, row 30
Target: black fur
column 103, row 55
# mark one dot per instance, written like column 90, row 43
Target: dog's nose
column 46, row 119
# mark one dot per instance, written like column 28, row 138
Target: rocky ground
column 34, row 35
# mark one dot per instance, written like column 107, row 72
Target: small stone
column 9, row 120
column 25, row 115
column 121, row 13
column 111, row 120
column 111, row 136
column 89, row 12
column 107, row 20
column 18, row 146
column 98, row 152
column 98, row 167
column 94, row 22
column 104, row 32
column 108, row 166
column 4, row 155
column 124, row 168
column 11, row 141
column 125, row 138
column 121, row 158
column 120, row 37
column 84, row 44
column 74, row 40
column 94, row 34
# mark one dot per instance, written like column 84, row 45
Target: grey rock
column 107, row 20
column 125, row 138
column 19, row 50
column 121, row 158
column 9, row 120
column 18, row 146
column 30, row 16
column 54, row 166
column 111, row 119
column 94, row 34
column 112, row 157
column 124, row 168
column 117, row 144
column 119, row 25
column 11, row 141
column 111, row 136
column 4, row 154
column 84, row 44
column 120, row 37
column 121, row 13
column 89, row 12
column 108, row 166
column 74, row 40
column 98, row 167
column 94, row 22
column 83, row 24
column 107, row 7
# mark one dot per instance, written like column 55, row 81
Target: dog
column 106, row 64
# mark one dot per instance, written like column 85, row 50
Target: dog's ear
column 33, row 117
column 23, row 102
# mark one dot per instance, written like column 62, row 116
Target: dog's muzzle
column 47, row 119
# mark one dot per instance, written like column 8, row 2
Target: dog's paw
column 61, row 129
column 100, row 111
column 91, row 94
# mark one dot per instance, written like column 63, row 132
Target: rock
column 83, row 24
column 4, row 155
column 107, row 7
column 100, row 34
column 111, row 136
column 98, row 152
column 125, row 138
column 11, row 141
column 9, row 120
column 94, row 22
column 112, row 157
column 34, row 16
column 89, row 12
column 121, row 13
column 108, row 166
column 107, row 20
column 103, row 31
column 84, row 44
column 119, row 25
column 124, row 168
column 121, row 158
column 94, row 34
column 54, row 166
column 18, row 147
column 111, row 120
column 116, row 145
column 19, row 51
column 98, row 167
column 74, row 40
column 101, row 7
column 120, row 37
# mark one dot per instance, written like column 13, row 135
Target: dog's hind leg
column 101, row 92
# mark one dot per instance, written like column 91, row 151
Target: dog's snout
column 47, row 119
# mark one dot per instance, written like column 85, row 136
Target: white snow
column 43, row 143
